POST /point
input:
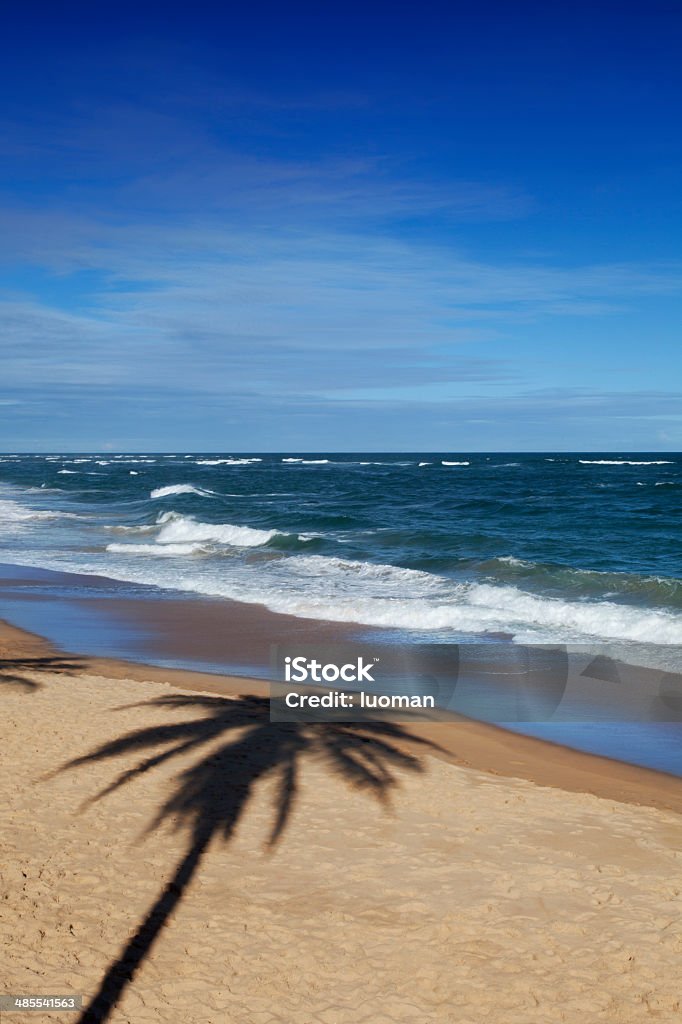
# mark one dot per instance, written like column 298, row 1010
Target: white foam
column 444, row 463
column 14, row 515
column 158, row 550
column 424, row 464
column 13, row 511
column 146, row 528
column 380, row 595
column 165, row 492
column 313, row 462
column 479, row 608
column 71, row 472
column 319, row 587
column 178, row 529
column 624, row 462
column 310, row 566
column 225, row 462
column 599, row 619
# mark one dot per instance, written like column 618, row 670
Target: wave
column 160, row 550
column 481, row 608
column 324, row 565
column 444, row 463
column 316, row 587
column 414, row 599
column 165, row 492
column 373, row 594
column 71, row 472
column 176, row 529
column 225, row 462
column 144, row 528
column 312, row 462
column 552, row 579
column 378, row 594
column 15, row 514
column 624, row 462
column 599, row 619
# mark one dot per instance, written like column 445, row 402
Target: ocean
column 430, row 548
column 543, row 548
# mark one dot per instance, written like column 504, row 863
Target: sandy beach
column 340, row 513
column 170, row 849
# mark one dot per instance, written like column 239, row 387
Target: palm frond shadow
column 210, row 796
column 13, row 670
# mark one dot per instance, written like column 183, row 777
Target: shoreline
column 169, row 853
column 480, row 746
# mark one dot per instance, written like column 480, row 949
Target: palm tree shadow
column 210, row 796
column 13, row 670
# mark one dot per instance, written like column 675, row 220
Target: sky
column 326, row 227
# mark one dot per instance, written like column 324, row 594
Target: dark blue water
column 547, row 548
column 541, row 547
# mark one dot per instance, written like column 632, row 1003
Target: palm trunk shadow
column 122, row 971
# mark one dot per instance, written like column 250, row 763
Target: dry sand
column 433, row 892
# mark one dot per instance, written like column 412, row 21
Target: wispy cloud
column 196, row 308
column 159, row 259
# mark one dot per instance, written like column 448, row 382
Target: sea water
column 432, row 547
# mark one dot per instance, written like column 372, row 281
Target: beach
column 167, row 846
column 340, row 518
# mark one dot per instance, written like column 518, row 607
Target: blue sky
column 325, row 227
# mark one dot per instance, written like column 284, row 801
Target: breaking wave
column 165, row 492
column 225, row 462
column 185, row 532
column 624, row 462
